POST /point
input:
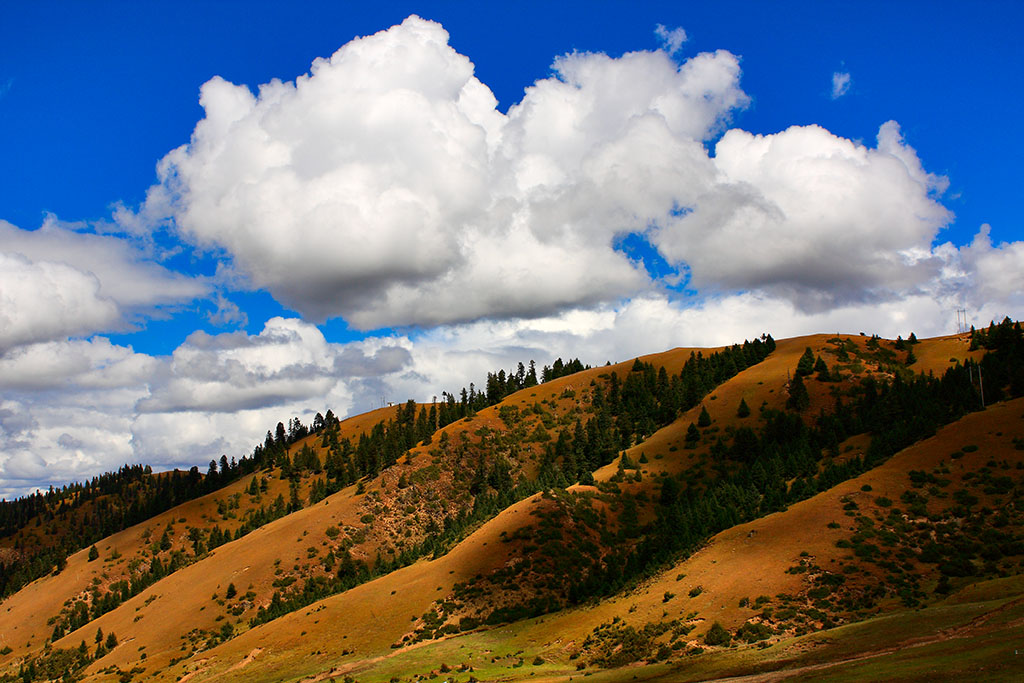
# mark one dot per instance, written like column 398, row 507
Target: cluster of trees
column 58, row 664
column 499, row 385
column 1002, row 369
column 630, row 410
column 783, row 462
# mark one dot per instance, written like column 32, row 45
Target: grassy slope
column 367, row 620
column 737, row 564
column 24, row 616
column 763, row 383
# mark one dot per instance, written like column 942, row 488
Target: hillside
column 688, row 514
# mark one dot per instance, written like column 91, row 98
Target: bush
column 717, row 635
column 751, row 632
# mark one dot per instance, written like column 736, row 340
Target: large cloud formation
column 386, row 187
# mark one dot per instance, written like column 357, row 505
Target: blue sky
column 793, row 166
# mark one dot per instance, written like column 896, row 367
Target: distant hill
column 826, row 506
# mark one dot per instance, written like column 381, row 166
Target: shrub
column 751, row 632
column 717, row 635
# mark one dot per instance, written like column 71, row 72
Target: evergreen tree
column 805, row 365
column 798, row 397
column 743, row 410
column 822, row 369
column 692, row 435
column 705, row 419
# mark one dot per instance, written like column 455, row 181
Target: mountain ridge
column 465, row 475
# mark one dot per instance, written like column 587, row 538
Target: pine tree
column 798, row 397
column 705, row 419
column 805, row 365
column 692, row 435
column 743, row 410
column 822, row 369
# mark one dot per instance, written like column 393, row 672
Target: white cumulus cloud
column 811, row 217
column 385, row 186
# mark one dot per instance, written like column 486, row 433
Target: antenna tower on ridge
column 961, row 321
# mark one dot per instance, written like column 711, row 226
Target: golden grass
column 746, row 561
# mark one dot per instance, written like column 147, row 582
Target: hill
column 805, row 506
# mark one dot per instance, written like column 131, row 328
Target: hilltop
column 829, row 505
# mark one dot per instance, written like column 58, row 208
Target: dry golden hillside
column 494, row 548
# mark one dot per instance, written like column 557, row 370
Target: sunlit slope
column 337, row 634
column 171, row 628
column 26, row 617
column 554, row 394
column 754, row 560
column 249, row 563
